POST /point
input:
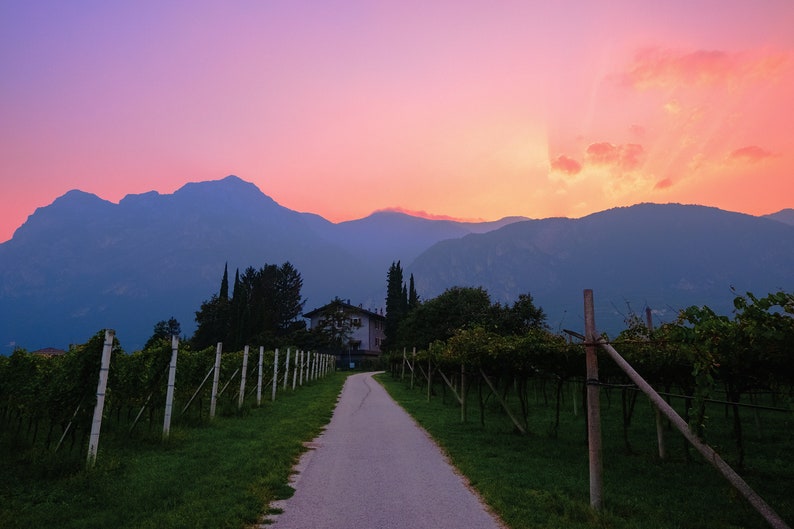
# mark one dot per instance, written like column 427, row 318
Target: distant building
column 367, row 333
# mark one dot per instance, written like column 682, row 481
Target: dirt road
column 374, row 468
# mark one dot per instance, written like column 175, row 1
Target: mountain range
column 83, row 263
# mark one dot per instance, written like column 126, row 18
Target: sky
column 474, row 110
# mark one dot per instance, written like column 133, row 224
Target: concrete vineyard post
column 275, row 375
column 259, row 377
column 169, row 396
column 243, row 378
column 102, row 383
column 295, row 371
column 300, row 380
column 286, row 370
column 215, row 379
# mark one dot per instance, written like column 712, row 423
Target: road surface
column 374, row 468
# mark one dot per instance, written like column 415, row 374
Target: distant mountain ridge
column 666, row 257
column 83, row 263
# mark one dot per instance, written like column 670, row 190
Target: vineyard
column 48, row 403
column 720, row 373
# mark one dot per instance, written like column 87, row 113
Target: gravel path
column 374, row 468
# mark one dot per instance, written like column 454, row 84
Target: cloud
column 426, row 215
column 664, row 68
column 563, row 164
column 626, row 157
column 749, row 154
column 664, row 184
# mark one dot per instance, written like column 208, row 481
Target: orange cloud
column 426, row 215
column 627, row 157
column 662, row 68
column 749, row 154
column 664, row 184
column 566, row 165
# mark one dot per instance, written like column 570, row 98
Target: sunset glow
column 470, row 110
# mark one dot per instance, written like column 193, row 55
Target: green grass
column 220, row 475
column 540, row 481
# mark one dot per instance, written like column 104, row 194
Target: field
column 540, row 480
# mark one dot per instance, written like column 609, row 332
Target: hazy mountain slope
column 665, row 256
column 83, row 263
column 785, row 215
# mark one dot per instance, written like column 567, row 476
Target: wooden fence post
column 102, row 383
column 169, row 395
column 593, row 404
column 215, row 379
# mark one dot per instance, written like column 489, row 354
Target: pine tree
column 396, row 304
column 224, row 293
column 413, row 297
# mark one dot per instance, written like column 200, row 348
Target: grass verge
column 541, row 481
column 221, row 475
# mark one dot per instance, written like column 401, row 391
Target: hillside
column 666, row 257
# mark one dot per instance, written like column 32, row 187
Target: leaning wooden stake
column 593, row 404
column 102, row 383
column 503, row 403
column 711, row 456
column 169, row 395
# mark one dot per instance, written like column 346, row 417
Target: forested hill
column 82, row 263
column 663, row 256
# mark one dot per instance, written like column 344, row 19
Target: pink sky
column 475, row 110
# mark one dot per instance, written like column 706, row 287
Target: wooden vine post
column 102, row 383
column 169, row 395
column 593, row 404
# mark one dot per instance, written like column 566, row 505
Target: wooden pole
column 102, row 383
column 169, row 395
column 215, row 379
column 593, row 404
column 243, row 378
column 657, row 412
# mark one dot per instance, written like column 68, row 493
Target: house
column 366, row 331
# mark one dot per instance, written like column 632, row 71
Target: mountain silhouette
column 82, row 263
